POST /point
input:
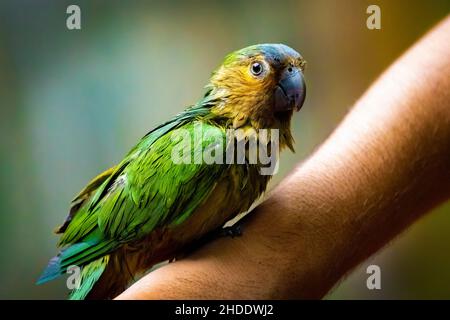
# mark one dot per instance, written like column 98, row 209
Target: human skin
column 386, row 165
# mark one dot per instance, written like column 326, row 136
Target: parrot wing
column 145, row 191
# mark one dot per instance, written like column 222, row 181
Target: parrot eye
column 256, row 68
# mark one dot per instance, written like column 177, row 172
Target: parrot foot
column 233, row 231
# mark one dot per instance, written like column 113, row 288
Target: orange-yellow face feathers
column 260, row 85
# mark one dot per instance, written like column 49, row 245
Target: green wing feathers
column 127, row 202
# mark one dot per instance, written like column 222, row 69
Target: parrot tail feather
column 52, row 271
column 78, row 254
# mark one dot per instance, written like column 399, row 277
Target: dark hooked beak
column 291, row 90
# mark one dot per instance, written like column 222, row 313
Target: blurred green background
column 74, row 102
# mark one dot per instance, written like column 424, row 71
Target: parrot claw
column 233, row 231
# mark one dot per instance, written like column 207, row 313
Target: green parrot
column 150, row 208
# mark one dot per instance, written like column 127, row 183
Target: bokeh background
column 74, row 102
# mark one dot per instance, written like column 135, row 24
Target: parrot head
column 261, row 85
